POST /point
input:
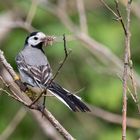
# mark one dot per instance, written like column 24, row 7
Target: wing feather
column 40, row 74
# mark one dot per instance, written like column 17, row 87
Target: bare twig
column 13, row 124
column 130, row 63
column 134, row 85
column 82, row 16
column 7, row 66
column 117, row 15
column 32, row 12
column 129, row 90
column 109, row 8
column 26, row 101
column 120, row 17
column 125, row 72
column 66, row 55
column 114, row 118
column 5, row 21
column 126, row 60
column 135, row 7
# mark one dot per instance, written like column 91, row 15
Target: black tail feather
column 71, row 100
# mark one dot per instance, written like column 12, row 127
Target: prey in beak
column 48, row 40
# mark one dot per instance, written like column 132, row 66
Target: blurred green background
column 82, row 71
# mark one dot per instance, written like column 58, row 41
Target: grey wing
column 33, row 75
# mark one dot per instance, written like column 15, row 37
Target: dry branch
column 127, row 60
column 32, row 12
column 114, row 118
column 9, row 82
column 125, row 72
column 13, row 124
column 82, row 16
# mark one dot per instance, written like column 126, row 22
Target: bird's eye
column 35, row 38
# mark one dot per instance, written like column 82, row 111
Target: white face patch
column 36, row 39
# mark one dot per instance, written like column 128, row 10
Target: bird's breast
column 35, row 57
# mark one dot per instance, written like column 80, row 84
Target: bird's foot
column 40, row 108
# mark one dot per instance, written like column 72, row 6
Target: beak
column 43, row 39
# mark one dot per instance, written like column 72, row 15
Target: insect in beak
column 48, row 40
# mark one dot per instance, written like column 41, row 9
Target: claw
column 41, row 108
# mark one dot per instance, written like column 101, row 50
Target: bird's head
column 36, row 39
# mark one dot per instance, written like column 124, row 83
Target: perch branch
column 26, row 101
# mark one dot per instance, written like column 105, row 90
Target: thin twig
column 113, row 118
column 32, row 12
column 119, row 17
column 128, row 89
column 109, row 8
column 82, row 16
column 125, row 72
column 13, row 124
column 127, row 60
column 65, row 58
column 135, row 94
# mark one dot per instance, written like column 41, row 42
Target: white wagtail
column 35, row 71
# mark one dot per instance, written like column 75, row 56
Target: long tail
column 72, row 101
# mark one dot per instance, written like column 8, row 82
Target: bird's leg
column 44, row 98
column 44, row 101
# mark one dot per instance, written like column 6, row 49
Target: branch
column 109, row 8
column 125, row 72
column 32, row 12
column 82, row 16
column 64, row 60
column 120, row 17
column 113, row 118
column 135, row 7
column 8, row 81
column 127, row 59
column 127, row 64
column 13, row 124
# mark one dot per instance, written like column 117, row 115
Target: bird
column 35, row 71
